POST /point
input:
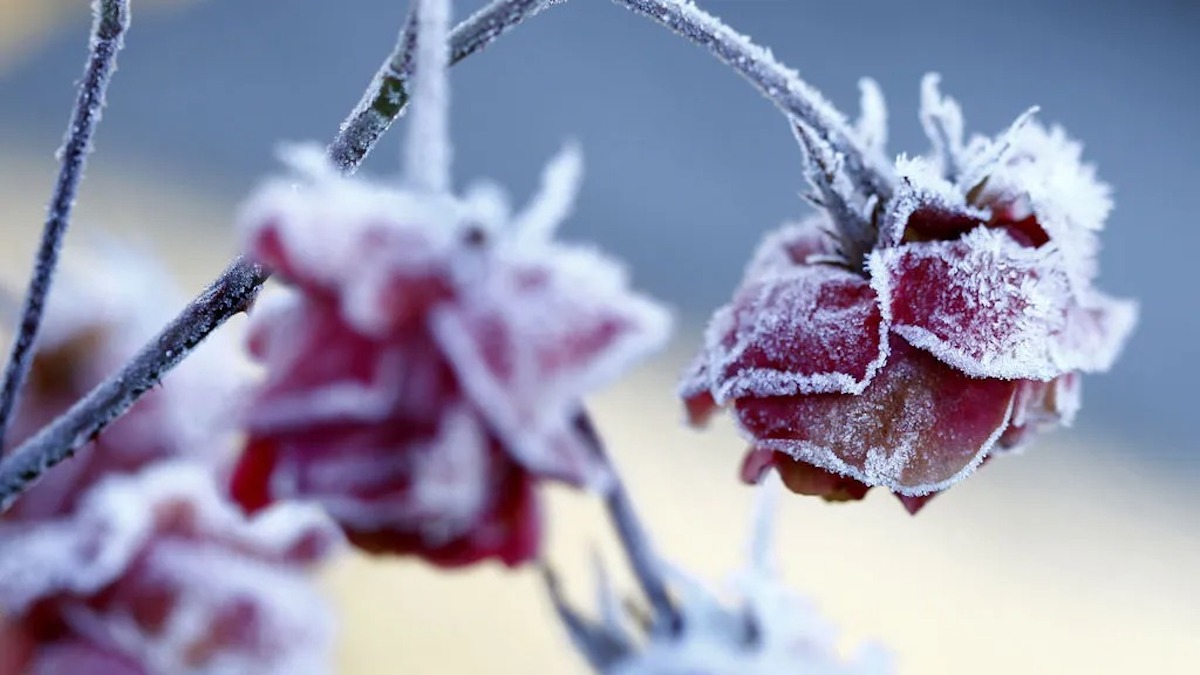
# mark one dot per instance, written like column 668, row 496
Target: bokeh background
column 1083, row 556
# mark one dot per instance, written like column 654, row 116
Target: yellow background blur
column 1070, row 559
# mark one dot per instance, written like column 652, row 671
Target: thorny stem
column 643, row 559
column 776, row 81
column 109, row 23
column 238, row 285
column 387, row 95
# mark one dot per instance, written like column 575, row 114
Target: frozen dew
column 983, row 304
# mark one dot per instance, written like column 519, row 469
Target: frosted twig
column 776, row 81
column 643, row 559
column 428, row 142
column 387, row 94
column 231, row 293
column 110, row 20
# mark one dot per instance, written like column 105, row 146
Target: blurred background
column 1082, row 556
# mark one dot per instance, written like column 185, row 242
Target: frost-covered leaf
column 836, row 194
column 872, row 122
column 921, row 425
column 942, row 119
column 983, row 304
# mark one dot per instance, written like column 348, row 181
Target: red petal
column 983, row 304
column 802, row 478
column 919, row 427
column 811, row 329
column 793, row 245
column 1095, row 332
column 535, row 337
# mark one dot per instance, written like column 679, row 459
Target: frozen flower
column 957, row 327
column 103, row 309
column 753, row 626
column 428, row 366
column 157, row 573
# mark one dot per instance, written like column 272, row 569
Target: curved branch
column 774, row 80
column 109, row 22
column 387, row 95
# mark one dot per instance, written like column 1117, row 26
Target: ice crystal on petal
column 920, row 427
column 983, row 304
column 157, row 570
column 813, row 329
column 1043, row 176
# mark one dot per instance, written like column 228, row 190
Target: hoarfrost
column 811, row 329
column 920, row 427
column 983, row 304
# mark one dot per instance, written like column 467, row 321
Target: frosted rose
column 156, row 573
column 425, row 373
column 961, row 332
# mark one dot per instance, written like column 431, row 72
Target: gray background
column 687, row 166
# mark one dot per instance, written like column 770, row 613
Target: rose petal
column 983, row 304
column 809, row 240
column 1095, row 332
column 323, row 371
column 919, row 427
column 536, row 336
column 801, row 477
column 395, row 488
column 811, row 329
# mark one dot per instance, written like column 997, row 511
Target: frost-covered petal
column 1095, row 333
column 1043, row 175
column 321, row 370
column 695, row 390
column 450, row 495
column 801, row 477
column 810, row 329
column 806, row 241
column 1040, row 407
column 170, row 576
column 327, row 232
column 983, row 304
column 926, row 206
column 534, row 336
column 919, row 427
